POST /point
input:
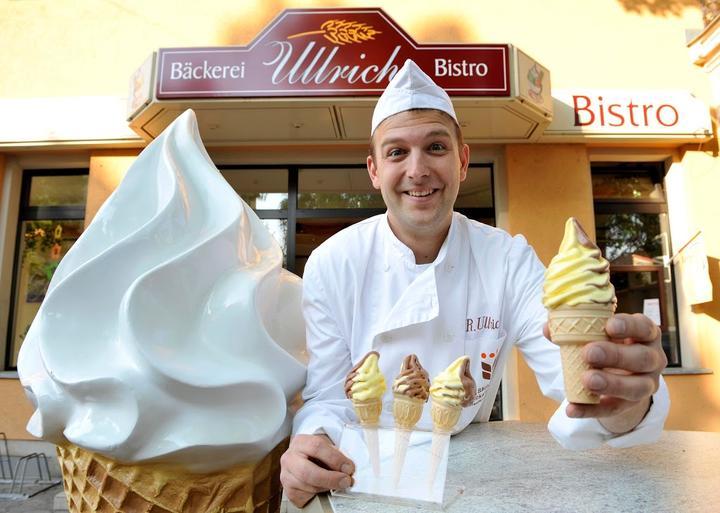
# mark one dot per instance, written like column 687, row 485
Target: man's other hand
column 312, row 464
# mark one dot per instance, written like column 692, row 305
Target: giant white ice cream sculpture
column 169, row 345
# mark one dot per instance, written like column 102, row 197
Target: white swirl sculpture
column 170, row 331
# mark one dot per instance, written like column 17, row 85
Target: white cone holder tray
column 414, row 486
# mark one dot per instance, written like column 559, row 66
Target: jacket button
column 449, row 267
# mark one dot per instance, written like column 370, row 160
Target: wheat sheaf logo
column 342, row 32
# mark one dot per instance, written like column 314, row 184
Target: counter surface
column 518, row 467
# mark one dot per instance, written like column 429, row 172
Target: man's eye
column 437, row 147
column 395, row 152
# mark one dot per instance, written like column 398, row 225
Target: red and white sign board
column 619, row 113
column 328, row 52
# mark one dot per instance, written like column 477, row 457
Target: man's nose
column 418, row 166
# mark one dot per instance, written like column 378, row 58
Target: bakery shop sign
column 328, row 52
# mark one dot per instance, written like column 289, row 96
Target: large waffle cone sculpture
column 571, row 327
column 94, row 483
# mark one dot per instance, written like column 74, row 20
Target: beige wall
column 546, row 184
column 604, row 43
column 693, row 201
column 15, row 410
column 107, row 169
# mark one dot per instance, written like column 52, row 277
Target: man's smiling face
column 418, row 162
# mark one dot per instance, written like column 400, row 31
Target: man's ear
column 373, row 172
column 464, row 161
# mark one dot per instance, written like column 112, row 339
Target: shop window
column 633, row 232
column 308, row 204
column 265, row 190
column 343, row 188
column 51, row 218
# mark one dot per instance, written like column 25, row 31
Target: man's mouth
column 420, row 194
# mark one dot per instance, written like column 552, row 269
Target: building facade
column 606, row 112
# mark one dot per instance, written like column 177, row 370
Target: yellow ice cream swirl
column 454, row 386
column 578, row 273
column 366, row 382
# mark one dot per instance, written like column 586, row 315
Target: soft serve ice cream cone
column 168, row 346
column 451, row 391
column 411, row 389
column 580, row 299
column 365, row 386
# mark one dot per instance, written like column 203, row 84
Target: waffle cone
column 444, row 416
column 94, row 483
column 407, row 411
column 578, row 324
column 368, row 412
column 571, row 327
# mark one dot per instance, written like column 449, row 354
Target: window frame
column 293, row 213
column 656, row 170
column 28, row 213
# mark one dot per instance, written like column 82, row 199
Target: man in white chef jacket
column 422, row 279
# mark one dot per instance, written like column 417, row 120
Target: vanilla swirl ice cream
column 455, row 385
column 170, row 331
column 365, row 382
column 578, row 274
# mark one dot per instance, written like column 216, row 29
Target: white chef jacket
column 363, row 291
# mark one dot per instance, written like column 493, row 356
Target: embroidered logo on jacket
column 482, row 323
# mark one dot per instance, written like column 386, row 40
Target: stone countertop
column 518, row 467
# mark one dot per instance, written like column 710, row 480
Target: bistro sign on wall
column 328, row 52
column 612, row 113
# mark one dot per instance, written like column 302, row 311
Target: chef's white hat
column 411, row 88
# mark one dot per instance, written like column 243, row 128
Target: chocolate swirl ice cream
column 413, row 380
column 455, row 386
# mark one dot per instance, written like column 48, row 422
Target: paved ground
column 43, row 498
column 41, row 503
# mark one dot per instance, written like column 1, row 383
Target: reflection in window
column 476, row 190
column 337, row 189
column 262, row 189
column 622, row 186
column 53, row 190
column 50, row 220
column 633, row 233
column 630, row 238
column 278, row 229
column 43, row 244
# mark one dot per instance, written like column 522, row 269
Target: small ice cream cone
column 365, row 386
column 451, row 391
column 368, row 412
column 411, row 389
column 580, row 299
column 444, row 416
column 407, row 411
column 96, row 484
